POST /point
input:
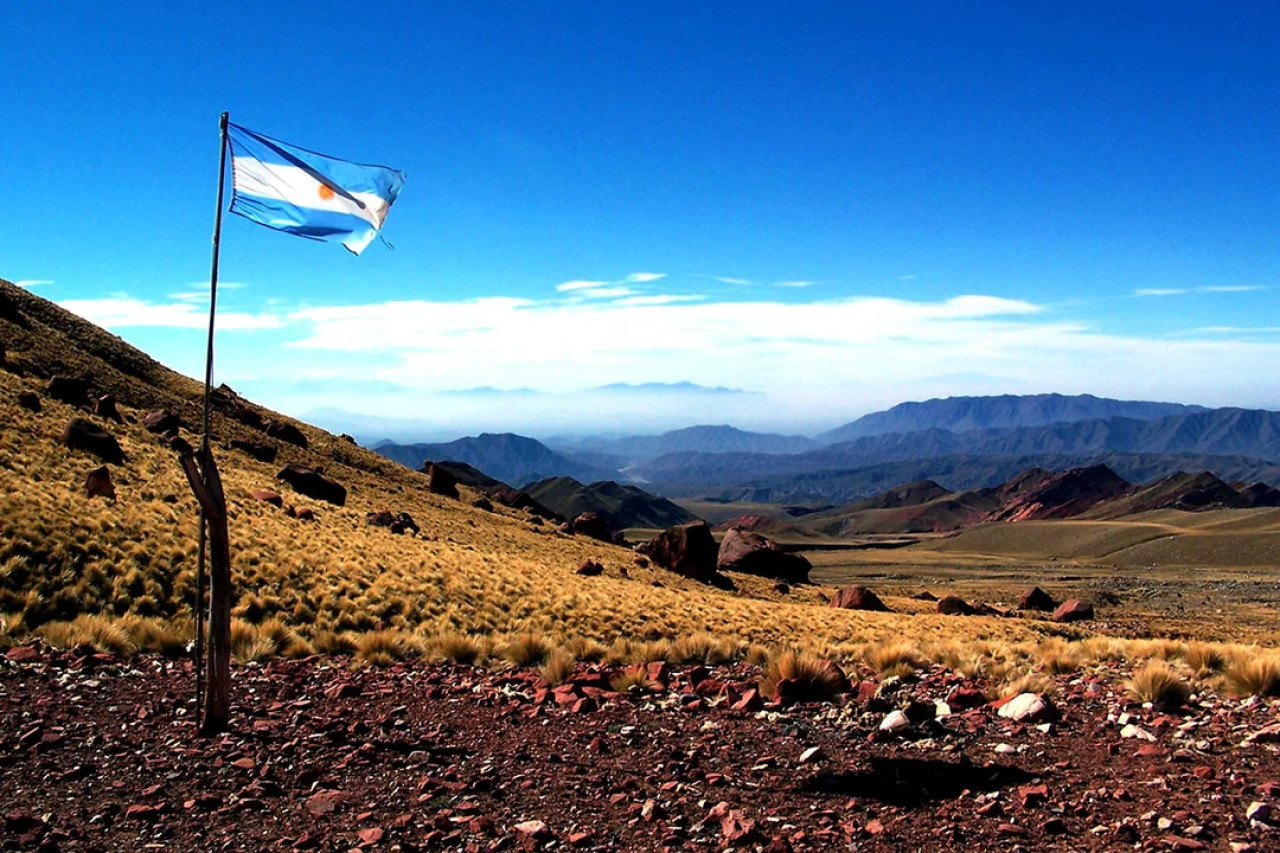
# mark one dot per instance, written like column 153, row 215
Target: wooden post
column 206, row 485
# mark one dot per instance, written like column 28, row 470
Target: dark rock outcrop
column 81, row 434
column 313, row 484
column 29, row 400
column 1036, row 599
column 286, row 432
column 162, row 421
column 261, row 452
column 105, row 407
column 589, row 568
column 954, row 605
column 441, row 481
column 1073, row 610
column 589, row 524
column 753, row 554
column 70, row 390
column 398, row 522
column 858, row 598
column 268, row 496
column 686, row 549
column 98, row 484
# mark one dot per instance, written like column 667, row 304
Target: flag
column 311, row 195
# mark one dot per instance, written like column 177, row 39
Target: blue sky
column 833, row 207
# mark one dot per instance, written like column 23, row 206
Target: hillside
column 695, row 439
column 488, row 573
column 620, row 506
column 964, row 414
column 514, row 459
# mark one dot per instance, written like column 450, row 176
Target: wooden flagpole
column 207, row 487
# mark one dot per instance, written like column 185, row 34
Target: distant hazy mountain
column 963, row 473
column 963, row 414
column 700, row 439
column 511, row 458
column 620, row 506
column 1217, row 432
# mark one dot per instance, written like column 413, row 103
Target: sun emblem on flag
column 326, row 192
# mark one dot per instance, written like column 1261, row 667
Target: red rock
column 589, row 524
column 161, row 422
column 584, row 706
column 342, row 690
column 441, row 481
column 267, row 496
column 1033, row 795
column 1036, row 599
column 687, row 549
column 313, row 484
column 745, row 551
column 952, row 605
column 142, row 811
column 1175, row 842
column 874, row 827
column 658, row 671
column 323, row 802
column 243, row 763
column 581, row 839
column 370, row 836
column 589, row 568
column 98, row 484
column 735, row 828
column 1011, row 829
column 750, row 702
column 24, row 654
column 858, row 598
column 105, row 407
column 1073, row 610
column 963, row 698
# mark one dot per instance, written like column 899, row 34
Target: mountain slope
column 511, row 458
column 620, row 506
column 63, row 554
column 696, row 439
column 963, row 414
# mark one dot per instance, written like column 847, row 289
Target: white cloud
column 1160, row 291
column 1211, row 288
column 120, row 311
column 579, row 285
column 1232, row 288
column 33, row 282
column 796, row 283
column 1236, row 330
column 644, row 277
column 604, row 292
column 660, row 299
column 724, row 279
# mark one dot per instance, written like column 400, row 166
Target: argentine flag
column 312, row 195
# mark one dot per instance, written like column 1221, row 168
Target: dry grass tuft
column 634, row 679
column 558, row 667
column 1158, row 684
column 333, row 643
column 1204, row 660
column 458, row 647
column 385, row 647
column 895, row 659
column 1058, row 657
column 814, row 679
column 99, row 632
column 526, row 650
column 702, row 648
column 1253, row 676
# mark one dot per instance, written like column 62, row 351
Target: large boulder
column 286, row 432
column 161, row 422
column 29, row 400
column 753, row 554
column 98, row 484
column 1074, row 610
column 234, row 406
column 858, row 598
column 313, row 484
column 105, row 407
column 687, row 549
column 589, row 524
column 68, row 389
column 81, row 434
column 954, row 605
column 258, row 450
column 441, row 481
column 1036, row 599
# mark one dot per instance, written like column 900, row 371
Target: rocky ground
column 98, row 753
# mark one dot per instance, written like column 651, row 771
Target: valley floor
column 98, row 753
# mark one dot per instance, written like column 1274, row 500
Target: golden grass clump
column 557, row 667
column 327, row 642
column 1158, row 684
column 702, row 648
column 100, row 632
column 894, row 659
column 1204, row 659
column 633, row 679
column 1030, row 682
column 385, row 647
column 1058, row 657
column 150, row 634
column 814, row 679
column 527, row 649
column 457, row 647
column 1253, row 676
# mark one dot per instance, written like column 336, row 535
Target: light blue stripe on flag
column 311, row 195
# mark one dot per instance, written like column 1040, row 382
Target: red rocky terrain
column 98, row 754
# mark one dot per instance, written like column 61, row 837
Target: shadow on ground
column 912, row 781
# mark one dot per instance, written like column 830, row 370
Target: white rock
column 894, row 722
column 1137, row 732
column 813, row 753
column 1125, row 719
column 1164, row 824
column 1005, row 749
column 1027, row 707
column 941, row 709
column 1260, row 812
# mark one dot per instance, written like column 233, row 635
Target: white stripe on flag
column 294, row 186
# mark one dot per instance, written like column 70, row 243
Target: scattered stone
column 105, row 407
column 1029, row 708
column 323, row 802
column 588, row 524
column 1137, row 732
column 1261, row 812
column 286, row 432
column 398, row 522
column 259, row 451
column 895, row 722
column 98, row 484
column 69, row 390
column 267, row 496
column 953, row 605
column 482, row 503
column 812, row 754
column 687, row 549
column 441, row 481
column 313, row 484
column 1037, row 599
column 589, row 568
column 1073, row 610
column 162, row 421
column 29, row 400
column 858, row 598
column 302, row 513
column 753, row 554
column 81, row 434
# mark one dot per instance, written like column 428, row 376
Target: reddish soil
column 99, row 754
